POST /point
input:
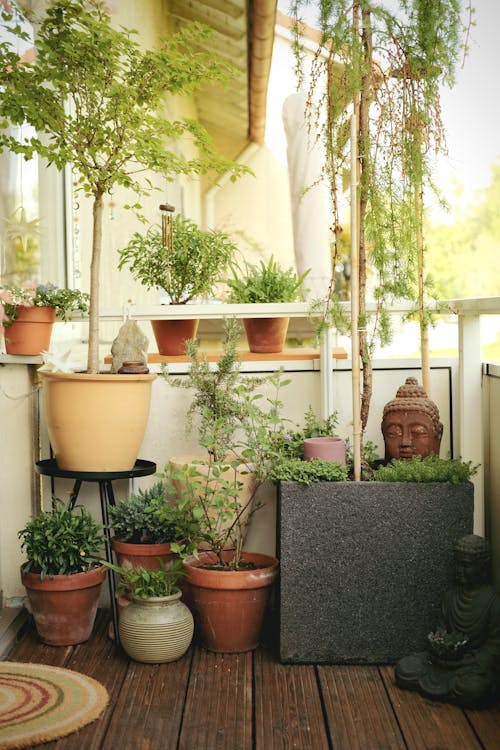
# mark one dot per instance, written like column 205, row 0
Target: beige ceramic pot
column 156, row 630
column 96, row 423
column 241, row 474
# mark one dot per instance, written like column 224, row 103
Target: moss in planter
column 306, row 472
column 429, row 469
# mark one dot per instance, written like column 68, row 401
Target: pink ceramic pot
column 326, row 448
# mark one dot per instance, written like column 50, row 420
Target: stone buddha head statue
column 410, row 423
column 472, row 560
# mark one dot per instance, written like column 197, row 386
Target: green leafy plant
column 138, row 520
column 264, row 283
column 97, row 102
column 188, row 269
column 429, row 469
column 61, row 541
column 31, row 294
column 307, row 472
column 144, row 583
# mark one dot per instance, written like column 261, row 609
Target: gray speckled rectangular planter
column 364, row 566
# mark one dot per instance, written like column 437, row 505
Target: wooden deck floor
column 209, row 701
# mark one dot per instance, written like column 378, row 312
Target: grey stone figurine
column 462, row 661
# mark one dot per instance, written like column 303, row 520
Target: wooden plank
column 288, row 711
column 358, row 712
column 97, row 658
column 298, row 354
column 218, row 710
column 486, row 724
column 148, row 712
column 426, row 724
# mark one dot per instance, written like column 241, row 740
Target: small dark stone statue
column 462, row 661
column 410, row 423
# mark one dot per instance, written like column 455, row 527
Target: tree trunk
column 93, row 346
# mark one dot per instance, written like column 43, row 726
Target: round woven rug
column 39, row 703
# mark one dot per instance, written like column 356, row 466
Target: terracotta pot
column 96, row 423
column 245, row 477
column 130, row 555
column 171, row 335
column 229, row 606
column 31, row 331
column 156, row 630
column 326, row 448
column 266, row 335
column 64, row 606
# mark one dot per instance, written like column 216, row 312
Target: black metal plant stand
column 105, row 479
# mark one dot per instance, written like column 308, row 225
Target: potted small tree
column 30, row 310
column 265, row 282
column 186, row 267
column 218, row 491
column 97, row 102
column 157, row 626
column 63, row 575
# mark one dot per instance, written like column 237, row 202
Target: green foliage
column 145, row 583
column 290, row 443
column 189, row 269
column 388, row 65
column 30, row 294
column 60, row 541
column 97, row 102
column 265, row 283
column 428, row 469
column 238, row 426
column 145, row 517
column 306, row 472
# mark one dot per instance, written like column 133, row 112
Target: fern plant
column 265, row 282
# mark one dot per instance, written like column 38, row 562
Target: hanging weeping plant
column 373, row 87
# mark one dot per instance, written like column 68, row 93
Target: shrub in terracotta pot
column 62, row 575
column 186, row 267
column 265, row 282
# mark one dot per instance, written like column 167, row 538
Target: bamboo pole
column 424, row 325
column 356, row 378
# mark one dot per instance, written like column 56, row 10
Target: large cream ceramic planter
column 96, row 423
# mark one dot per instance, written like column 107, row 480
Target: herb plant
column 61, row 541
column 144, row 583
column 187, row 270
column 307, row 472
column 30, row 294
column 137, row 520
column 429, row 469
column 238, row 428
column 265, row 283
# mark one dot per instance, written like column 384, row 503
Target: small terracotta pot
column 326, row 448
column 64, row 606
column 171, row 335
column 130, row 555
column 31, row 331
column 229, row 606
column 266, row 335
